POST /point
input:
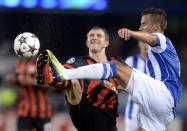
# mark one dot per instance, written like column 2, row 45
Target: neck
column 143, row 55
column 99, row 57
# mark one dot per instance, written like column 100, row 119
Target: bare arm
column 74, row 93
column 138, row 35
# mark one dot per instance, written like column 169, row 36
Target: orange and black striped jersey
column 34, row 101
column 98, row 93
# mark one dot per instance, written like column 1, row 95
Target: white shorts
column 155, row 101
column 131, row 113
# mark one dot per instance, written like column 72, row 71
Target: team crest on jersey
column 70, row 60
column 108, row 84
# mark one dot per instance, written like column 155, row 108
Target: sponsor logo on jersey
column 70, row 60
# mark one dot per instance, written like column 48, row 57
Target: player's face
column 96, row 40
column 147, row 24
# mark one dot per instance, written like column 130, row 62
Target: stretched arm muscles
column 138, row 35
column 144, row 37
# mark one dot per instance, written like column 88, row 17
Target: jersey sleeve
column 74, row 62
column 160, row 45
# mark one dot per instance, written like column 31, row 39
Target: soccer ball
column 26, row 45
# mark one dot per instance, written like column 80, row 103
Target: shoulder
column 160, row 45
column 119, row 58
column 158, row 34
column 161, row 39
column 75, row 62
column 71, row 60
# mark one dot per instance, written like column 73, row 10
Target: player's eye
column 99, row 35
column 143, row 24
column 91, row 35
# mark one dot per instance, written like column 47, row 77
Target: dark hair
column 158, row 16
column 103, row 29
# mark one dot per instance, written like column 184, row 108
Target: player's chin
column 95, row 50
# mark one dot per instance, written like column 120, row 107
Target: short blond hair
column 158, row 16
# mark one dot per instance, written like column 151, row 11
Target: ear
column 106, row 43
column 156, row 27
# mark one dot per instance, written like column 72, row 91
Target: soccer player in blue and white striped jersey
column 158, row 92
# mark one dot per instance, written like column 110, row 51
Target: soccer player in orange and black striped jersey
column 97, row 108
column 92, row 103
column 34, row 106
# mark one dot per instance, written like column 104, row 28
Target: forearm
column 74, row 93
column 145, row 37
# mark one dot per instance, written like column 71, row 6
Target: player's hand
column 124, row 33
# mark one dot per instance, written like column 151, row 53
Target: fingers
column 120, row 33
column 124, row 33
column 127, row 34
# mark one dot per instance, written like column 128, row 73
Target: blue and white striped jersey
column 136, row 62
column 163, row 64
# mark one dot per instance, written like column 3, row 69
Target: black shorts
column 91, row 118
column 28, row 123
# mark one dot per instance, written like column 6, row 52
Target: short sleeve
column 160, row 45
column 74, row 62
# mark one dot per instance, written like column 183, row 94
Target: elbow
column 153, row 40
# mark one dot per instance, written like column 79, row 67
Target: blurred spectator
column 34, row 106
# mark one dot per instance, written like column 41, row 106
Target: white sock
column 93, row 71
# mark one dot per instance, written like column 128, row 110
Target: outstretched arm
column 145, row 37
